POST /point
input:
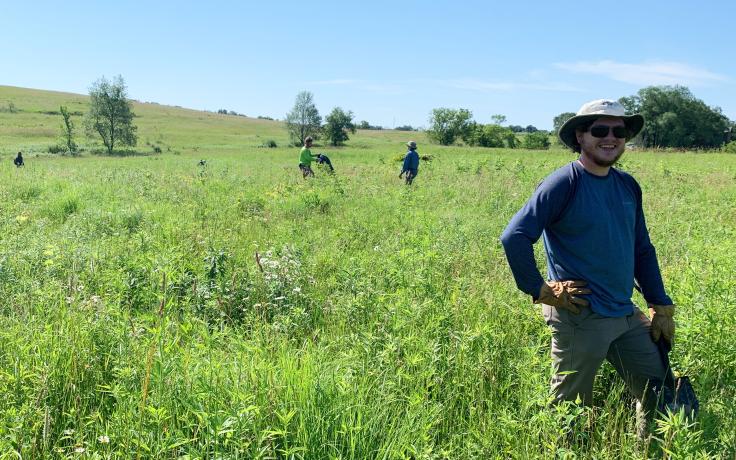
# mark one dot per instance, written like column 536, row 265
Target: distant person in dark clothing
column 411, row 163
column 18, row 161
column 323, row 159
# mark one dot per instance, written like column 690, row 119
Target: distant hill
column 30, row 121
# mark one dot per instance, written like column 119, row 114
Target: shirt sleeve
column 646, row 266
column 405, row 167
column 544, row 207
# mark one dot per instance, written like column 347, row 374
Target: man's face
column 603, row 151
column 308, row 144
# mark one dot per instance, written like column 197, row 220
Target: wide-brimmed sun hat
column 597, row 109
column 411, row 144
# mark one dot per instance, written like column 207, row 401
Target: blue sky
column 388, row 62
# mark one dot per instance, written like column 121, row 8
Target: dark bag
column 675, row 393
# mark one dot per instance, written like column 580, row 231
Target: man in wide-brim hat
column 572, row 131
column 591, row 218
column 411, row 163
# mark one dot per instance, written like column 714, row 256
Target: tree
column 560, row 120
column 498, row 119
column 538, row 140
column 446, row 125
column 365, row 125
column 491, row 135
column 339, row 123
column 304, row 119
column 67, row 130
column 673, row 117
column 531, row 129
column 111, row 113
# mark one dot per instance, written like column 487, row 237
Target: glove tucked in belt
column 562, row 294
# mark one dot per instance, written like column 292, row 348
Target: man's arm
column 543, row 208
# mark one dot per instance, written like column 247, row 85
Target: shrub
column 10, row 108
column 730, row 147
column 270, row 144
column 538, row 140
column 56, row 149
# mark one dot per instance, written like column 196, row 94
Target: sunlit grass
column 154, row 308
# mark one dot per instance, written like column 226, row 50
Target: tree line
column 673, row 116
column 446, row 126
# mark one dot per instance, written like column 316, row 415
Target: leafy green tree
column 560, row 120
column 557, row 123
column 538, row 140
column 338, row 124
column 498, row 119
column 304, row 119
column 446, row 125
column 365, row 125
column 491, row 135
column 673, row 117
column 730, row 147
column 511, row 140
column 111, row 113
column 67, row 130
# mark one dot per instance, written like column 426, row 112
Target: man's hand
column 562, row 294
column 663, row 323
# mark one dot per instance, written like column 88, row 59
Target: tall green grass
column 154, row 308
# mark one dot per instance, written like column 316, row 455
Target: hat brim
column 634, row 124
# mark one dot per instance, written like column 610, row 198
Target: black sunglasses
column 600, row 131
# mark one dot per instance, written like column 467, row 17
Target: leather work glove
column 562, row 294
column 663, row 323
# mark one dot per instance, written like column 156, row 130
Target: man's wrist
column 664, row 310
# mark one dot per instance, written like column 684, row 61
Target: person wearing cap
column 306, row 158
column 411, row 163
column 590, row 217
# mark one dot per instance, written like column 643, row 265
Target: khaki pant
column 581, row 342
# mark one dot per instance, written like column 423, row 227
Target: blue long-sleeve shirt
column 411, row 161
column 594, row 230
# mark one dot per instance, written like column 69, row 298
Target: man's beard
column 601, row 162
column 606, row 163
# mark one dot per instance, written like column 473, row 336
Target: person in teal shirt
column 306, row 158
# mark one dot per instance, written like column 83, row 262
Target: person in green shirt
column 306, row 157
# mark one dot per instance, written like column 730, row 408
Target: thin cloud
column 646, row 73
column 506, row 86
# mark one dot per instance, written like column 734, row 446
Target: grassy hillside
column 35, row 123
column 154, row 308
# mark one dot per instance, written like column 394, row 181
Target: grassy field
column 154, row 308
